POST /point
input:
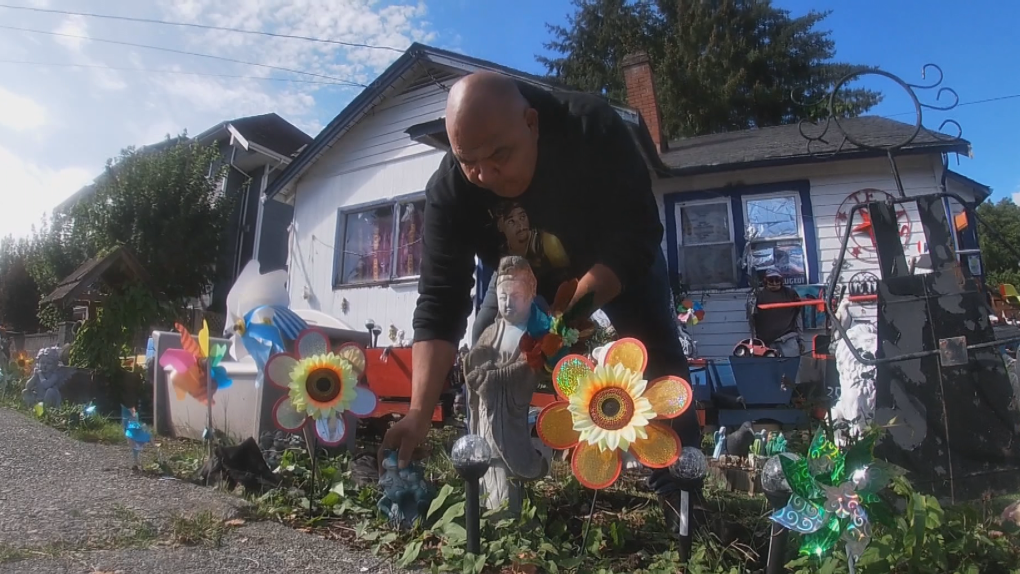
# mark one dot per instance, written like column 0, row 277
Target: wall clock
column 861, row 245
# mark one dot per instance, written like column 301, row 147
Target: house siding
column 276, row 218
column 830, row 184
column 375, row 161
column 379, row 137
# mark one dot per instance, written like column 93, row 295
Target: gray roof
column 267, row 130
column 784, row 145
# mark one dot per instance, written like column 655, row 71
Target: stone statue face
column 47, row 360
column 514, row 295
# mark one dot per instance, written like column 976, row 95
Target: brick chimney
column 637, row 74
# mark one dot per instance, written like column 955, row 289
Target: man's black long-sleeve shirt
column 590, row 201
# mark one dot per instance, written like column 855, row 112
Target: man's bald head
column 493, row 131
column 483, row 96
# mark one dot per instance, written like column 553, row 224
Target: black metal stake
column 472, row 516
column 780, row 537
column 312, row 442
column 471, row 456
column 587, row 524
column 777, row 550
column 685, row 540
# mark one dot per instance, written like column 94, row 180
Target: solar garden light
column 690, row 470
column 373, row 332
column 471, row 455
column 777, row 492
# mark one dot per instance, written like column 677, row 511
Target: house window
column 775, row 237
column 707, row 254
column 379, row 243
column 713, row 231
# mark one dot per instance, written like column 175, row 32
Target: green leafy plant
column 104, row 339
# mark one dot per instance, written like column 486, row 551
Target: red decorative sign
column 862, row 240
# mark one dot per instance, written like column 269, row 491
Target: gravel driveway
column 72, row 507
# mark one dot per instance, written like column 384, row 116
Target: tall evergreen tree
column 600, row 34
column 719, row 65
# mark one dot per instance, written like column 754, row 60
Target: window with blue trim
column 774, row 235
column 706, row 250
column 713, row 230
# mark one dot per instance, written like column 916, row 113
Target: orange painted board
column 389, row 378
column 540, row 400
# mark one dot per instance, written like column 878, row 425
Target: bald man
column 555, row 178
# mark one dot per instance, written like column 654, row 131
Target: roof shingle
column 786, row 144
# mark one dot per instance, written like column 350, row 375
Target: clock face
column 862, row 240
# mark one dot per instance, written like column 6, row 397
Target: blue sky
column 58, row 125
column 976, row 44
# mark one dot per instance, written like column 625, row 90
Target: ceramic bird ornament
column 258, row 316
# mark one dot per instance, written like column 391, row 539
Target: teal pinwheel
column 834, row 495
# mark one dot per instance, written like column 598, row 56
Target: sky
column 60, row 124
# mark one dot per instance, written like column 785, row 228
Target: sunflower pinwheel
column 322, row 385
column 609, row 409
column 835, row 495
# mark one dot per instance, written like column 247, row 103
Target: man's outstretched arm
column 444, row 292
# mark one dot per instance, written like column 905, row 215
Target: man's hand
column 405, row 435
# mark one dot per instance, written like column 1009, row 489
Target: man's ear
column 531, row 119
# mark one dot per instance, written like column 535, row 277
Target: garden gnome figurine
column 720, row 443
column 500, row 385
column 406, row 495
column 47, row 379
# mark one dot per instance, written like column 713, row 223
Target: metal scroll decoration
column 829, row 137
column 835, row 138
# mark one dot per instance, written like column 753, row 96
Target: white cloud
column 40, row 189
column 75, row 26
column 20, row 113
column 58, row 126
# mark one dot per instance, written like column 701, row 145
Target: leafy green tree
column 719, row 65
column 164, row 204
column 1001, row 265
column 19, row 294
column 598, row 36
column 54, row 251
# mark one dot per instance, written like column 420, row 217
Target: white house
column 358, row 192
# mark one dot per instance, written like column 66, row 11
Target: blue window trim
column 736, row 195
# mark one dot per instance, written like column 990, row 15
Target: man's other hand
column 405, row 435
